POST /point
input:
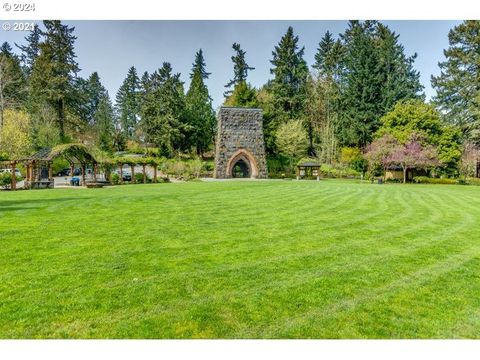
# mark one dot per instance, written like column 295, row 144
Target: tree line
column 361, row 87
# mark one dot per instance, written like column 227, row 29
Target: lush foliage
column 240, row 69
column 458, row 93
column 415, row 118
column 362, row 85
column 200, row 114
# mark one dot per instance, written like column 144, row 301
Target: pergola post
column 155, row 173
column 28, row 175
column 144, row 174
column 121, row 173
column 14, row 177
column 83, row 174
column 298, row 172
column 50, row 171
column 95, row 172
column 72, row 170
column 133, row 173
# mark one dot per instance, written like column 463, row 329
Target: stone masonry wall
column 239, row 128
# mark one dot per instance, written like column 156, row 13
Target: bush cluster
column 6, row 180
column 188, row 169
column 338, row 171
column 429, row 180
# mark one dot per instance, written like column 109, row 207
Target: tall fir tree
column 375, row 75
column 328, row 57
column 105, row 123
column 399, row 78
column 458, row 85
column 55, row 69
column 94, row 92
column 240, row 69
column 128, row 102
column 12, row 81
column 200, row 114
column 31, row 50
column 362, row 83
column 290, row 75
column 163, row 110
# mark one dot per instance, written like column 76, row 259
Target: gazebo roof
column 70, row 151
column 309, row 164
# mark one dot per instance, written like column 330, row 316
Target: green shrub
column 209, row 166
column 3, row 156
column 195, row 168
column 161, row 180
column 338, row 172
column 279, row 167
column 115, row 179
column 359, row 164
column 178, row 168
column 473, row 181
column 139, row 178
column 6, row 180
column 428, row 180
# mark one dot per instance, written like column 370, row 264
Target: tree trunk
column 133, row 173
column 121, row 173
column 144, row 175
column 155, row 173
column 61, row 118
column 14, row 177
column 405, row 169
column 2, row 98
column 83, row 174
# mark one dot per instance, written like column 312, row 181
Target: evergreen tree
column 362, row 83
column 128, row 102
column 104, row 123
column 199, row 66
column 290, row 75
column 328, row 59
column 375, row 75
column 200, row 114
column 163, row 110
column 31, row 51
column 94, row 93
column 240, row 68
column 400, row 80
column 243, row 95
column 55, row 68
column 458, row 85
column 12, row 81
column 323, row 99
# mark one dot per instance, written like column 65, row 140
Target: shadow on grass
column 16, row 205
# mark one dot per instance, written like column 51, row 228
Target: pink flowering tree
column 414, row 155
column 381, row 151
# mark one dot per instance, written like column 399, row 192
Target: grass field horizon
column 241, row 259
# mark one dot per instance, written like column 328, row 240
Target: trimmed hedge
column 428, row 180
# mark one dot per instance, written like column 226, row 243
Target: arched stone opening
column 242, row 164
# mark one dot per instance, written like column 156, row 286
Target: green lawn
column 243, row 259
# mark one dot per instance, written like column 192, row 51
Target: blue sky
column 111, row 47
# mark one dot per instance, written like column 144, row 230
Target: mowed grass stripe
column 208, row 260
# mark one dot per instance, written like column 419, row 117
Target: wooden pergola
column 39, row 172
column 132, row 161
column 308, row 169
column 39, row 166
